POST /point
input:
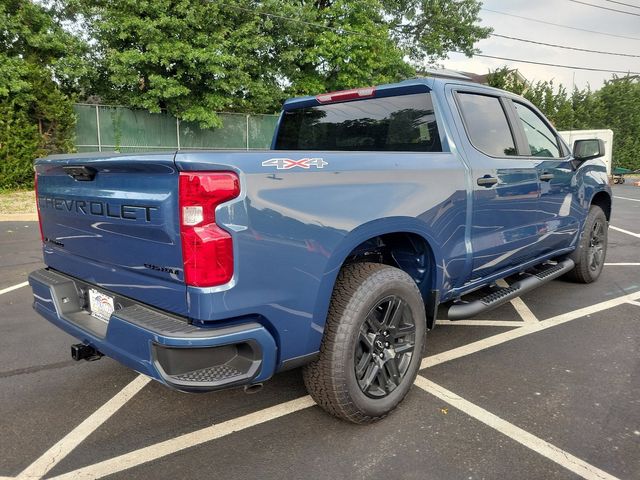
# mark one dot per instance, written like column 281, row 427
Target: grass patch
column 17, row 201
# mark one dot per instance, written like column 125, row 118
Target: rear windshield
column 402, row 123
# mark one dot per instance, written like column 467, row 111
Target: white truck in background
column 571, row 136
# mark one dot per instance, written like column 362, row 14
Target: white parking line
column 561, row 457
column 525, row 313
column 634, row 303
column 623, row 264
column 183, row 442
column 627, row 198
column 524, row 330
column 188, row 440
column 617, row 229
column 168, row 447
column 60, row 450
column 14, row 287
column 482, row 323
column 129, row 460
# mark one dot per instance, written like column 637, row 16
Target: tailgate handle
column 81, row 173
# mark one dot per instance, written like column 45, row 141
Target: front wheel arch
column 603, row 200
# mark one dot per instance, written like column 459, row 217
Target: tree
column 36, row 115
column 620, row 102
column 430, row 29
column 507, row 78
column 194, row 57
column 552, row 101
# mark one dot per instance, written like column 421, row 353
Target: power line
column 340, row 30
column 604, row 8
column 622, row 3
column 353, row 32
column 565, row 46
column 624, row 72
column 559, row 25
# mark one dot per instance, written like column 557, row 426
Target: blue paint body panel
column 293, row 229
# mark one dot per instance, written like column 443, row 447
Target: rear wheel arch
column 408, row 249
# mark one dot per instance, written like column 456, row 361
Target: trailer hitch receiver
column 80, row 351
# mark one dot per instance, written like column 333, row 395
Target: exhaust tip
column 254, row 388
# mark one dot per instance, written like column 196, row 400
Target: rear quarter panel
column 293, row 229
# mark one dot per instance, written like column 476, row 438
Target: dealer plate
column 101, row 305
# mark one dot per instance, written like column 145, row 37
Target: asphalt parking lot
column 545, row 387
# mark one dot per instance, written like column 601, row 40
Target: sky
column 563, row 12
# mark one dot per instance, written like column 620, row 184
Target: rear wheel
column 372, row 346
column 590, row 255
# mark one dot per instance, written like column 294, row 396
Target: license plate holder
column 100, row 305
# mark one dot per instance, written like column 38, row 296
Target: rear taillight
column 207, row 249
column 345, row 95
column 35, row 187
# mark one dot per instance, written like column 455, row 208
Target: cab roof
column 406, row 87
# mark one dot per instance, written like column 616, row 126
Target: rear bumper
column 162, row 346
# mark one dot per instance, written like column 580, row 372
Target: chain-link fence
column 108, row 128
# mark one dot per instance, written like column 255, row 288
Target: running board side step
column 463, row 310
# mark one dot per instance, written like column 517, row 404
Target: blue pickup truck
column 375, row 210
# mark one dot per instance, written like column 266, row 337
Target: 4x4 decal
column 287, row 163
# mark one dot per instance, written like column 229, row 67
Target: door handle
column 545, row 177
column 487, row 181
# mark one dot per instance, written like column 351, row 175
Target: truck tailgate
column 112, row 220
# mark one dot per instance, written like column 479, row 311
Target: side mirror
column 584, row 150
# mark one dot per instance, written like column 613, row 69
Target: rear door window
column 486, row 124
column 404, row 123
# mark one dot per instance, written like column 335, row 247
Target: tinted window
column 542, row 141
column 402, row 123
column 486, row 124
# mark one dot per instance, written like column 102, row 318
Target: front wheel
column 372, row 345
column 592, row 250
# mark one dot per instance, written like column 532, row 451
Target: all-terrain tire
column 590, row 255
column 360, row 293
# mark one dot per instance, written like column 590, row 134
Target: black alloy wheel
column 385, row 347
column 590, row 254
column 597, row 246
column 372, row 346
